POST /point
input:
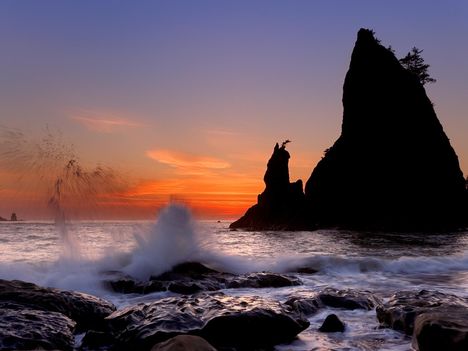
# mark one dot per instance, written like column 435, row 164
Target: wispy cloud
column 186, row 161
column 221, row 132
column 103, row 122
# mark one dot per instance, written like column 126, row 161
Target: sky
column 184, row 100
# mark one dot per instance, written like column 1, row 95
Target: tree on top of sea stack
column 414, row 63
column 393, row 166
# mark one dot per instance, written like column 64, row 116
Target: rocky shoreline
column 34, row 317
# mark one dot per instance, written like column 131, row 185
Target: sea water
column 379, row 262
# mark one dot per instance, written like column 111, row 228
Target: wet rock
column 192, row 277
column 332, row 324
column 185, row 278
column 281, row 205
column 129, row 286
column 184, row 343
column 401, row 310
column 306, row 306
column 224, row 321
column 28, row 329
column 263, row 280
column 87, row 310
column 310, row 303
column 348, row 299
column 393, row 167
column 192, row 270
column 444, row 328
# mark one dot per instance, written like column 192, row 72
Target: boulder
column 281, row 205
column 193, row 277
column 401, row 310
column 184, row 343
column 332, row 324
column 224, row 321
column 348, row 299
column 185, row 278
column 28, row 329
column 305, row 305
column 443, row 328
column 86, row 310
column 393, row 167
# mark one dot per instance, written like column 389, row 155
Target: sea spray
column 170, row 241
column 48, row 174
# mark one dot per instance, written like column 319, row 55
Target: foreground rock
column 401, row 310
column 304, row 305
column 184, row 343
column 192, row 277
column 27, row 329
column 185, row 278
column 332, row 324
column 443, row 328
column 393, row 166
column 348, row 299
column 86, row 310
column 281, row 205
column 224, row 321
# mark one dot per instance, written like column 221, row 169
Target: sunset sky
column 185, row 100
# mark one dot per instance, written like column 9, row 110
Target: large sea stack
column 281, row 205
column 393, row 167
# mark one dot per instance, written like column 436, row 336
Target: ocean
column 77, row 255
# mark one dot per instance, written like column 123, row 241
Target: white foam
column 170, row 241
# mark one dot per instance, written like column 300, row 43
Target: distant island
column 392, row 168
column 13, row 218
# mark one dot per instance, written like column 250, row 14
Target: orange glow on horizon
column 213, row 187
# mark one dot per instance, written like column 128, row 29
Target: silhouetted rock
column 28, row 329
column 2, row 219
column 332, row 324
column 444, row 328
column 401, row 310
column 281, row 205
column 184, row 343
column 86, row 310
column 13, row 217
column 348, row 299
column 393, row 166
column 224, row 321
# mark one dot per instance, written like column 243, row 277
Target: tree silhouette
column 414, row 63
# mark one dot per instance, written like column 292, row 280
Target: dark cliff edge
column 392, row 168
column 281, row 206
